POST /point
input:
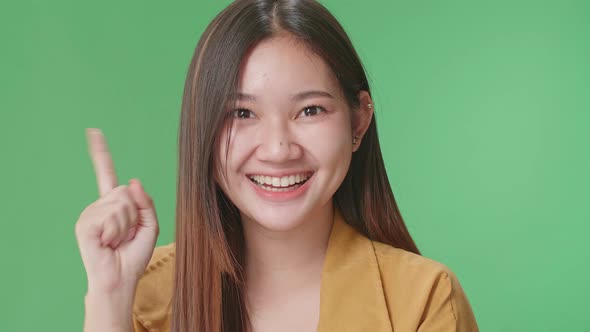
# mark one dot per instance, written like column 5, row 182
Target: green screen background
column 483, row 110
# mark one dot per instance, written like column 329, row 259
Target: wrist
column 108, row 311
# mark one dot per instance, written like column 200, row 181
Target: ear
column 361, row 118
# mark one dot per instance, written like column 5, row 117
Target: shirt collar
column 351, row 295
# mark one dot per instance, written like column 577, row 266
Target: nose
column 277, row 143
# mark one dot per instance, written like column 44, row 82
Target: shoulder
column 153, row 294
column 422, row 293
column 402, row 264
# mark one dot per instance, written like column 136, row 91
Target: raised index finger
column 101, row 158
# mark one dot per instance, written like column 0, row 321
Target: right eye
column 242, row 113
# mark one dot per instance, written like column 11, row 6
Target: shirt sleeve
column 447, row 308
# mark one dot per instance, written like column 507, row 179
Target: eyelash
column 320, row 108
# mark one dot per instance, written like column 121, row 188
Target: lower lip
column 281, row 196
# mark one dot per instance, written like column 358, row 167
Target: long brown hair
column 209, row 285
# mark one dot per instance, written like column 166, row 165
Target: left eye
column 242, row 113
column 312, row 110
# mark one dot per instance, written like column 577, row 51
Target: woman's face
column 291, row 139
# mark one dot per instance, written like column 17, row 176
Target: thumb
column 145, row 204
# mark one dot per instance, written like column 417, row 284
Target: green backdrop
column 483, row 110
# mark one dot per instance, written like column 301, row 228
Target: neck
column 279, row 262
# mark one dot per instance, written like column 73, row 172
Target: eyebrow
column 295, row 97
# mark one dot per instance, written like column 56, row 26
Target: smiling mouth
column 280, row 184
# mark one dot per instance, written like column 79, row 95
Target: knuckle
column 78, row 228
column 85, row 211
column 121, row 204
column 82, row 223
column 106, row 228
column 112, row 216
column 122, row 218
column 111, row 228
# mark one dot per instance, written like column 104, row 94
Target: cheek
column 331, row 143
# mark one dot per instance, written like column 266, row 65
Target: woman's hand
column 117, row 233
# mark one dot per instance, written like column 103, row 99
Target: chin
column 276, row 219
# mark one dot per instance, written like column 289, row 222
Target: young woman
column 285, row 217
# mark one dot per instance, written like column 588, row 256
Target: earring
column 369, row 105
column 354, row 139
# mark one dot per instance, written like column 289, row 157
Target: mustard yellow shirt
column 366, row 286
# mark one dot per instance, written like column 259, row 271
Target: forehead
column 284, row 65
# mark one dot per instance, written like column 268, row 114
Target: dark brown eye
column 312, row 110
column 243, row 113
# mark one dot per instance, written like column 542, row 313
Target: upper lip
column 279, row 174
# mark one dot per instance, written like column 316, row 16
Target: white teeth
column 276, row 182
column 285, row 181
column 280, row 182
